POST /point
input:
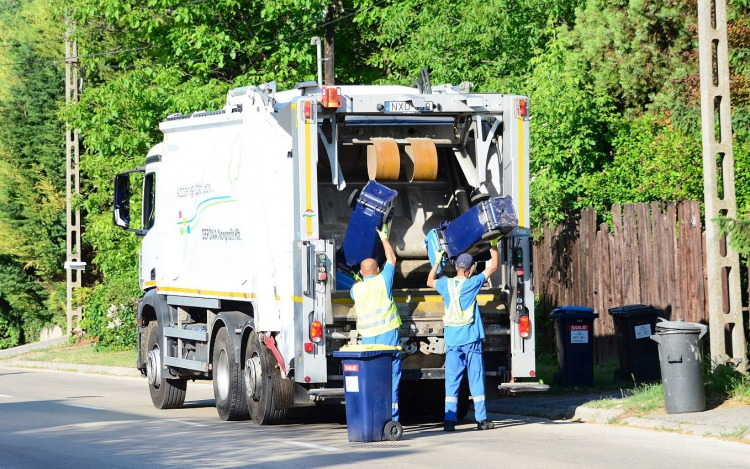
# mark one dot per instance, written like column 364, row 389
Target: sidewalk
column 731, row 422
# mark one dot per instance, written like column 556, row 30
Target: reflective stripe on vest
column 376, row 313
column 454, row 315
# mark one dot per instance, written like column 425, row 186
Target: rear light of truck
column 309, row 347
column 522, row 108
column 316, row 331
column 524, row 326
column 330, row 97
column 307, row 110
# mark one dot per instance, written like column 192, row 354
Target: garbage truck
column 242, row 212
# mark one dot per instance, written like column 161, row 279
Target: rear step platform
column 327, row 393
column 523, row 387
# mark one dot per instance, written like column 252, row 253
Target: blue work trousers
column 390, row 338
column 457, row 360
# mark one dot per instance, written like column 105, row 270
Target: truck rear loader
column 244, row 210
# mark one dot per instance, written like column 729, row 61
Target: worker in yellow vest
column 377, row 317
column 463, row 333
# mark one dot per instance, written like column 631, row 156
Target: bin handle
column 704, row 330
column 655, row 338
column 674, row 360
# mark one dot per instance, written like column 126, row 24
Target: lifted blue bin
column 473, row 230
column 368, row 394
column 372, row 208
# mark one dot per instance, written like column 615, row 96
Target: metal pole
column 329, row 64
column 723, row 264
column 72, row 186
column 315, row 41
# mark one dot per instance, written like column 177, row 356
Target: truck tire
column 229, row 386
column 165, row 393
column 259, row 383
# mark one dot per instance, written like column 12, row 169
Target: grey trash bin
column 680, row 356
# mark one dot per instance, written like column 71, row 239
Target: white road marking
column 312, row 446
column 5, row 395
column 84, row 406
column 185, row 422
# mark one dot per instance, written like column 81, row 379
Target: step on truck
column 242, row 210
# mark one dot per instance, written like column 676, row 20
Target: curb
column 695, row 429
column 612, row 416
column 92, row 369
column 10, row 352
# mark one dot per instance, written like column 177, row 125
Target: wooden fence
column 653, row 255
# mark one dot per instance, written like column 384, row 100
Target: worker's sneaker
column 485, row 425
column 449, row 426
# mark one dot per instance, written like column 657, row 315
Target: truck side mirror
column 121, row 210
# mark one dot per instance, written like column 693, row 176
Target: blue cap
column 464, row 261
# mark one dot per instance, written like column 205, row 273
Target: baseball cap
column 464, row 261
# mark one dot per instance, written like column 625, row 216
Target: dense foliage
column 32, row 172
column 614, row 87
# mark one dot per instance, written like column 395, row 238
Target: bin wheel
column 393, row 431
column 353, row 198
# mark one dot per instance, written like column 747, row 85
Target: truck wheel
column 259, row 384
column 229, row 387
column 165, row 393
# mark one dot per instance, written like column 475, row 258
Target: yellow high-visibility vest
column 454, row 315
column 376, row 313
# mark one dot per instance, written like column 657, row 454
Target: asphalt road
column 53, row 419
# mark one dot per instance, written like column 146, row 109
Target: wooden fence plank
column 645, row 254
column 630, row 269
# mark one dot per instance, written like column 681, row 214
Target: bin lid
column 680, row 326
column 365, row 350
column 634, row 310
column 369, row 348
column 574, row 312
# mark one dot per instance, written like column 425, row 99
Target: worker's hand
column 383, row 232
column 439, row 256
column 494, row 242
column 357, row 277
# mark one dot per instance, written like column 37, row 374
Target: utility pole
column 73, row 265
column 723, row 264
column 329, row 67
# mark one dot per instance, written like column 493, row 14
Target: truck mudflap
column 271, row 345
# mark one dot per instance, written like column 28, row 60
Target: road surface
column 55, row 419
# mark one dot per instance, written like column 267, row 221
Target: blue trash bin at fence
column 368, row 393
column 574, row 330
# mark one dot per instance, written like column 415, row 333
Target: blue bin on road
column 367, row 388
column 574, row 326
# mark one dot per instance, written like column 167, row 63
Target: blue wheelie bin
column 574, row 326
column 368, row 394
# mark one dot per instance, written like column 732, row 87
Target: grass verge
column 643, row 399
column 81, row 355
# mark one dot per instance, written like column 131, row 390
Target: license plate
column 406, row 106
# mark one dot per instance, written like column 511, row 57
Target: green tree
column 32, row 171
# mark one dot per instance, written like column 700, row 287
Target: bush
column 109, row 313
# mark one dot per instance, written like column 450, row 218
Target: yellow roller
column 383, row 160
column 424, row 161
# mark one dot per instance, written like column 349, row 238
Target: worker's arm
column 494, row 261
column 432, row 277
column 390, row 256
